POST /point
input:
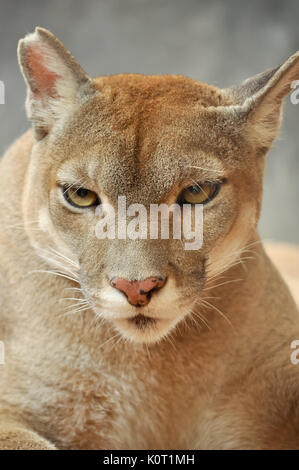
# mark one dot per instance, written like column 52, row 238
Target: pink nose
column 138, row 293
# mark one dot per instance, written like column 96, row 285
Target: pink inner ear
column 44, row 79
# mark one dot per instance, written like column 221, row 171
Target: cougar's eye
column 200, row 193
column 80, row 197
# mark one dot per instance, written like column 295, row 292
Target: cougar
column 140, row 343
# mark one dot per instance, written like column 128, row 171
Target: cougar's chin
column 144, row 329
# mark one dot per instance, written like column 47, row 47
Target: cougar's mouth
column 141, row 324
column 142, row 321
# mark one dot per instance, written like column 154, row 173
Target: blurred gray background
column 214, row 41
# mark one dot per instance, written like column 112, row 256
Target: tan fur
column 214, row 370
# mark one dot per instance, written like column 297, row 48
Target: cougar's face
column 148, row 140
column 121, row 153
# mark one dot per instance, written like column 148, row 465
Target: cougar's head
column 144, row 187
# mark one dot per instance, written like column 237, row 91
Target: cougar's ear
column 259, row 99
column 56, row 82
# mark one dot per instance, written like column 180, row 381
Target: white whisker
column 54, row 273
column 213, row 307
column 73, row 312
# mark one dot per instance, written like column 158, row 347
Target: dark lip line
column 142, row 318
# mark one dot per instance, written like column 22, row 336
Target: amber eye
column 80, row 197
column 200, row 193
